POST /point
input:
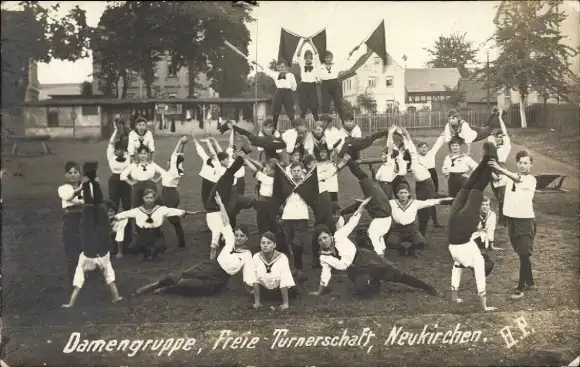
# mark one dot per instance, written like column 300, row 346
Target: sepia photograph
column 290, row 183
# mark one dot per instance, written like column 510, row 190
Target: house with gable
column 395, row 87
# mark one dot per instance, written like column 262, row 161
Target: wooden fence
column 564, row 117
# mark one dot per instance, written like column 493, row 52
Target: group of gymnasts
column 296, row 171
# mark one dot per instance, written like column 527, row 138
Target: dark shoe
column 223, row 127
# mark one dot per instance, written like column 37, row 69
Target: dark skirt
column 137, row 192
column 455, row 183
column 170, row 197
column 71, row 238
column 203, row 279
column 206, row 187
column 95, row 230
column 425, row 190
column 521, row 232
column 119, row 192
column 150, row 241
column 435, row 178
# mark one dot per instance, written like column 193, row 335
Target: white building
column 394, row 85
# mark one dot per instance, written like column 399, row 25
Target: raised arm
column 210, row 147
column 353, row 220
column 232, row 139
column 180, row 144
column 250, row 164
column 114, row 135
column 437, row 145
column 390, row 140
column 502, row 123
column 199, row 149
column 218, row 148
column 223, row 211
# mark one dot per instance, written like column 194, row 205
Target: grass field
column 34, row 276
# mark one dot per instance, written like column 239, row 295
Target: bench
column 19, row 139
column 550, row 182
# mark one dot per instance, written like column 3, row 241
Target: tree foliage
column 266, row 86
column 35, row 32
column 190, row 34
column 454, row 51
column 367, row 102
column 86, row 89
column 532, row 56
column 456, row 95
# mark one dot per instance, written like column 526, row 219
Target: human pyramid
column 297, row 170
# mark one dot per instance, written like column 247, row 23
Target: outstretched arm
column 218, row 148
column 179, row 146
column 199, row 149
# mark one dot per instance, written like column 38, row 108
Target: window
column 171, row 69
column 90, row 110
column 372, row 82
column 52, row 116
column 377, row 60
column 389, row 82
column 390, row 105
column 349, row 84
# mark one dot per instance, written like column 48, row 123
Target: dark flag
column 283, row 184
column 377, row 42
column 308, row 188
column 319, row 41
column 288, row 45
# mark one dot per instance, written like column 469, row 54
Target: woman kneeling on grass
column 210, row 276
column 272, row 270
column 149, row 217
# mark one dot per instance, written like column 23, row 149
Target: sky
column 410, row 27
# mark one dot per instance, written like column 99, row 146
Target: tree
column 266, row 86
column 36, row 33
column 456, row 95
column 196, row 30
column 86, row 89
column 367, row 102
column 452, row 52
column 532, row 56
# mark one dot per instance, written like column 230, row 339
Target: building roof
column 127, row 101
column 361, row 61
column 358, row 63
column 430, row 79
column 475, row 91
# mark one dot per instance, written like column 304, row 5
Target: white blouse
column 158, row 215
column 118, row 228
column 266, row 184
column 289, row 82
column 503, row 151
column 233, row 260
column 486, row 228
column 465, row 132
column 135, row 141
column 275, row 273
column 141, row 172
column 461, row 163
column 345, row 248
column 405, row 215
column 387, row 171
column 115, row 166
column 310, row 76
column 332, row 71
column 420, row 171
column 289, row 137
column 67, row 196
column 519, row 203
column 428, row 160
column 327, row 177
column 171, row 177
column 355, row 132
